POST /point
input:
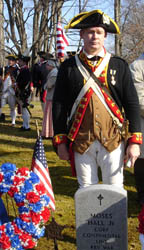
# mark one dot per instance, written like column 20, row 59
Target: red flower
column 30, row 244
column 23, row 171
column 5, row 243
column 40, row 188
column 20, row 204
column 2, row 228
column 141, row 221
column 45, row 214
column 32, row 197
column 25, row 217
column 25, row 236
column 1, row 177
column 12, row 191
column 18, row 180
column 35, row 217
column 16, row 229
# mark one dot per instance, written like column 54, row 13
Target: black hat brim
column 45, row 55
column 95, row 18
column 24, row 58
column 12, row 57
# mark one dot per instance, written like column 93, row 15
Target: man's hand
column 63, row 152
column 132, row 153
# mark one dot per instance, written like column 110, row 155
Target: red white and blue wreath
column 33, row 207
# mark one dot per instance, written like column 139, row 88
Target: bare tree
column 31, row 22
column 117, row 12
column 132, row 29
column 2, row 54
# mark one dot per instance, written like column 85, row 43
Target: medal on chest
column 113, row 74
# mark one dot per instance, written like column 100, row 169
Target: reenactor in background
column 137, row 70
column 71, row 53
column 8, row 76
column 24, row 89
column 39, row 76
column 47, row 126
column 68, row 55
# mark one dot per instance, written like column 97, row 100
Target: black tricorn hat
column 24, row 58
column 45, row 55
column 71, row 53
column 12, row 57
column 95, row 18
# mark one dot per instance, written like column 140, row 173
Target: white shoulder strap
column 91, row 84
column 89, row 79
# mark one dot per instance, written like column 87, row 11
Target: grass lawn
column 17, row 147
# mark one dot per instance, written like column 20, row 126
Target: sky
column 69, row 10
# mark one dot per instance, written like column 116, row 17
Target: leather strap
column 91, row 83
column 87, row 76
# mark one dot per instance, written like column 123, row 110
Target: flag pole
column 37, row 128
column 52, row 213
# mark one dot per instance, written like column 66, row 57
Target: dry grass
column 17, row 147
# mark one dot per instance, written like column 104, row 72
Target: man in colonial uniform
column 39, row 75
column 9, row 75
column 92, row 90
column 24, row 89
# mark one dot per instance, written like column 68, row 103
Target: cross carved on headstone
column 100, row 197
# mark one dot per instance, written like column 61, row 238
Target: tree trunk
column 2, row 52
column 117, row 6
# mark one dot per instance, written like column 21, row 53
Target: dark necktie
column 94, row 58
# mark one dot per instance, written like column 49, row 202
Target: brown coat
column 97, row 124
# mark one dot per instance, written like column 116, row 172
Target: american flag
column 61, row 40
column 40, row 167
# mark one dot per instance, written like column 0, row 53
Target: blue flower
column 27, row 187
column 36, row 207
column 19, row 222
column 8, row 167
column 19, row 247
column 9, row 229
column 34, row 178
column 29, row 228
column 19, row 198
column 23, row 210
column 4, row 189
column 40, row 233
column 7, row 178
column 15, row 242
column 46, row 198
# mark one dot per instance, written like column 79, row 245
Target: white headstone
column 101, row 218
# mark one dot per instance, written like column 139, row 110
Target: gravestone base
column 101, row 218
